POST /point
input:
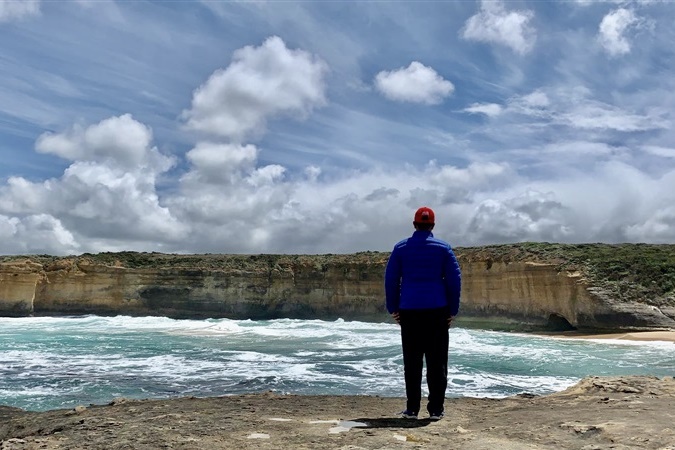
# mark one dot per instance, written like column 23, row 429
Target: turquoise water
column 61, row 362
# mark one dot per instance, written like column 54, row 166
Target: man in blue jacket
column 422, row 288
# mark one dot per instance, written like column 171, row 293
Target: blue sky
column 320, row 126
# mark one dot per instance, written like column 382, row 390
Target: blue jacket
column 422, row 273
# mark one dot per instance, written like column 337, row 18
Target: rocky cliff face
column 203, row 286
column 538, row 295
column 500, row 294
column 18, row 283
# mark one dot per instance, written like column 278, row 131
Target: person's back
column 419, row 267
column 422, row 288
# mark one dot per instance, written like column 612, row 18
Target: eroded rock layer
column 499, row 290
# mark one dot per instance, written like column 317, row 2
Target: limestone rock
column 501, row 293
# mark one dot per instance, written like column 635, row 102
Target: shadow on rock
column 394, row 422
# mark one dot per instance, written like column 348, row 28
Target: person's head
column 424, row 219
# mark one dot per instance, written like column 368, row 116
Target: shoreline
column 641, row 336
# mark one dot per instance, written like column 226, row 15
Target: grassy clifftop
column 625, row 272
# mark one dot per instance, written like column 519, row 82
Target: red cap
column 425, row 215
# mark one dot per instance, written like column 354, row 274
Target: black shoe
column 407, row 414
column 436, row 416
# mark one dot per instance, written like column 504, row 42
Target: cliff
column 525, row 286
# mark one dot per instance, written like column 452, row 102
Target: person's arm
column 392, row 284
column 453, row 285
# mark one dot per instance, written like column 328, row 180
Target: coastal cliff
column 521, row 286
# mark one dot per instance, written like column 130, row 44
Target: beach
column 665, row 336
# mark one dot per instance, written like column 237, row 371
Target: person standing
column 422, row 289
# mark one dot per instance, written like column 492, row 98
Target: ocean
column 61, row 362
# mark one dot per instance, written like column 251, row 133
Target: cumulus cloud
column 613, row 29
column 260, row 83
column 532, row 215
column 476, row 175
column 416, row 83
column 228, row 201
column 495, row 25
column 657, row 229
column 13, row 9
column 36, row 233
column 119, row 140
column 381, row 194
column 95, row 200
column 586, row 206
column 108, row 191
column 221, row 163
column 121, row 192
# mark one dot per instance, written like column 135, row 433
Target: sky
column 309, row 127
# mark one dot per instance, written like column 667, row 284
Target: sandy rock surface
column 597, row 413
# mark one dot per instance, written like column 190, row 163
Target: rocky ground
column 597, row 413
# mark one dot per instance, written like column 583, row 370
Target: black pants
column 424, row 335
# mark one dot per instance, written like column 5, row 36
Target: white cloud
column 664, row 152
column 495, row 25
column 227, row 201
column 613, row 28
column 489, row 109
column 657, row 229
column 362, row 210
column 416, row 83
column 229, row 164
column 121, row 140
column 109, row 189
column 536, row 99
column 619, row 2
column 536, row 104
column 260, row 83
column 530, row 216
column 475, row 175
column 573, row 107
column 312, row 172
column 553, row 162
column 37, row 233
column 18, row 9
column 93, row 200
column 221, row 163
column 593, row 115
column 586, row 206
column 93, row 3
column 653, row 216
column 579, row 149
